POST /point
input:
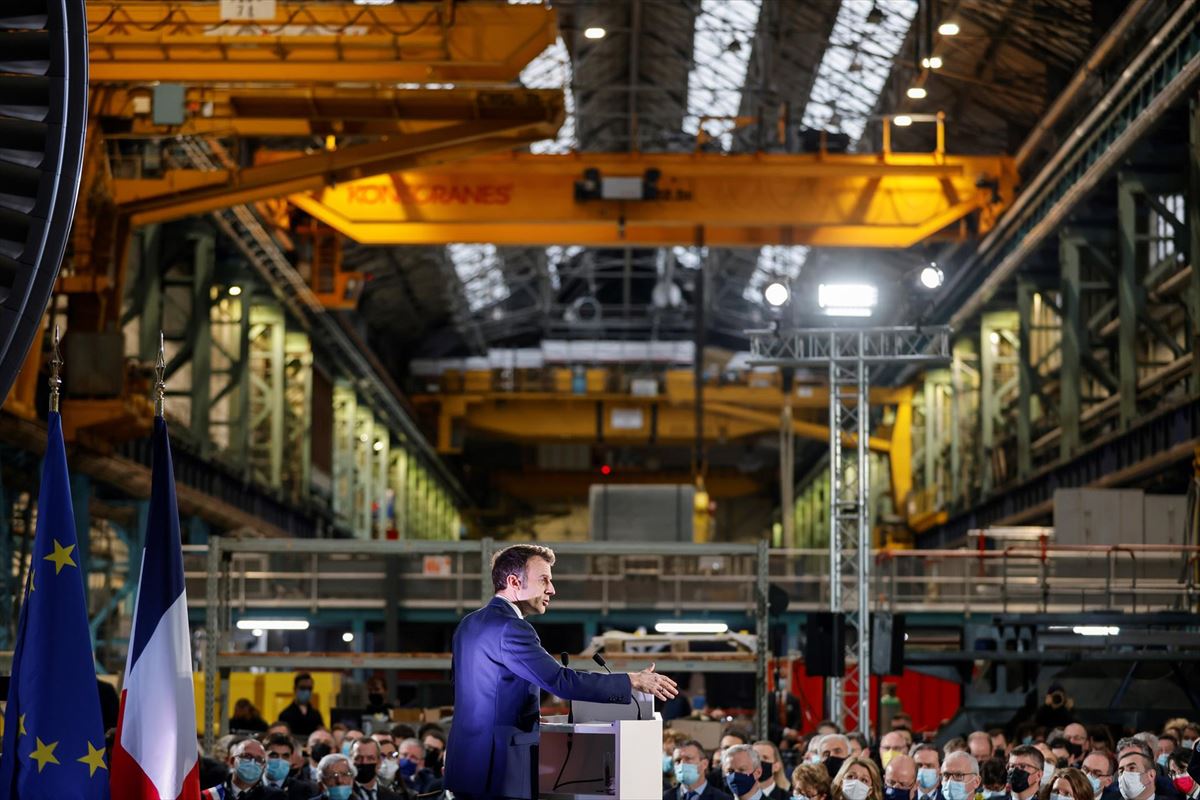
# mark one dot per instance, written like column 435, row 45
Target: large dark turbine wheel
column 43, row 116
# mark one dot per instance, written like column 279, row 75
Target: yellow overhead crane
column 135, row 41
column 548, row 408
column 892, row 200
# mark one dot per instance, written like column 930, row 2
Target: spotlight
column 948, row 29
column 902, row 120
column 347, row 637
column 234, row 291
column 933, row 62
column 776, row 294
column 272, row 624
column 916, row 92
column 378, row 446
column 594, row 33
column 847, row 299
column 932, row 277
column 690, row 627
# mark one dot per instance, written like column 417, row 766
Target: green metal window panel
column 998, row 346
column 965, row 457
column 400, row 488
column 267, row 403
column 364, row 472
column 345, row 409
column 297, row 383
column 229, row 369
column 382, row 476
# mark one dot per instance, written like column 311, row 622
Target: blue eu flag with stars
column 53, row 733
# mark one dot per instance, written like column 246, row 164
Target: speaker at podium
column 602, row 750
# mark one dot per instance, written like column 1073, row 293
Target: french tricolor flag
column 155, row 755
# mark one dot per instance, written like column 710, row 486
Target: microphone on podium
column 565, row 658
column 599, row 659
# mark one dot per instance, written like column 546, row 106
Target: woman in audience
column 1067, row 784
column 810, row 782
column 858, row 779
column 1177, row 771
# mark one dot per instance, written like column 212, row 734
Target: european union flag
column 53, row 734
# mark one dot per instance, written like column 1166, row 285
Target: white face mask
column 799, row 797
column 1056, row 796
column 387, row 770
column 1131, row 785
column 855, row 790
column 1047, row 776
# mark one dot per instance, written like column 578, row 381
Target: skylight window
column 556, row 256
column 857, row 62
column 721, row 45
column 478, row 268
column 552, row 70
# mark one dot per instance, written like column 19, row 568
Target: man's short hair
column 956, row 745
column 727, row 756
column 331, row 759
column 682, row 743
column 972, row 762
column 737, row 732
column 365, row 740
column 922, row 747
column 1135, row 744
column 515, row 560
column 1148, row 763
column 301, row 676
column 280, row 739
column 434, row 730
column 860, row 738
column 1029, row 751
column 402, row 731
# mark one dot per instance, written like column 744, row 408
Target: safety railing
column 605, row 577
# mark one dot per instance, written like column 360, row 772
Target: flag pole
column 160, row 371
column 55, row 380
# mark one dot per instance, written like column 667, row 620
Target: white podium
column 600, row 760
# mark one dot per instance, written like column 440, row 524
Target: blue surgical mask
column 740, row 783
column 896, row 793
column 1189, row 744
column 927, row 777
column 1162, row 761
column 347, row 746
column 303, row 695
column 408, row 767
column 339, row 792
column 954, row 790
column 1095, row 782
column 687, row 774
column 277, row 769
column 668, row 763
column 1027, row 740
column 249, row 771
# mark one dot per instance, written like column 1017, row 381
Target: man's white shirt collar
column 512, row 605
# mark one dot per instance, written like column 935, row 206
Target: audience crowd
column 1050, row 757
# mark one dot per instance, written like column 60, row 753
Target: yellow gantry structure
column 893, row 200
column 133, row 41
column 550, row 410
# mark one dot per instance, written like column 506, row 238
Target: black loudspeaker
column 887, row 644
column 824, row 645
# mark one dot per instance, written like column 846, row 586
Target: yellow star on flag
column 94, row 759
column 44, row 754
column 21, row 725
column 61, row 557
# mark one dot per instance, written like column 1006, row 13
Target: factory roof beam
column 417, row 42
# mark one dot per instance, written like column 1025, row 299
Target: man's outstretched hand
column 651, row 682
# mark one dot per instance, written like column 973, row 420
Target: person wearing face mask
column 858, row 779
column 1026, row 766
column 834, row 749
column 247, row 759
column 301, row 715
column 900, row 778
column 1135, row 776
column 335, row 777
column 1099, row 768
column 773, row 782
column 1142, row 744
column 348, row 740
column 1078, row 743
column 377, row 704
column 277, row 775
column 891, row 745
column 319, row 745
column 366, row 757
column 929, row 765
column 1167, row 744
column 1068, row 784
column 434, row 739
column 960, row 776
column 810, row 782
column 1177, row 771
column 414, row 771
column 743, row 772
column 689, row 765
column 389, row 763
column 993, row 774
column 979, row 744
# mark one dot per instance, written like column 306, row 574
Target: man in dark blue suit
column 499, row 666
column 691, row 769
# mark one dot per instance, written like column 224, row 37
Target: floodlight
column 272, row 624
column 932, row 277
column 1096, row 630
column 847, row 299
column 690, row 627
column 902, row 120
column 776, row 294
column 234, row 291
column 347, row 637
column 594, row 33
column 916, row 92
column 948, row 29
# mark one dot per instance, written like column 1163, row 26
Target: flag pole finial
column 55, row 380
column 160, row 381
